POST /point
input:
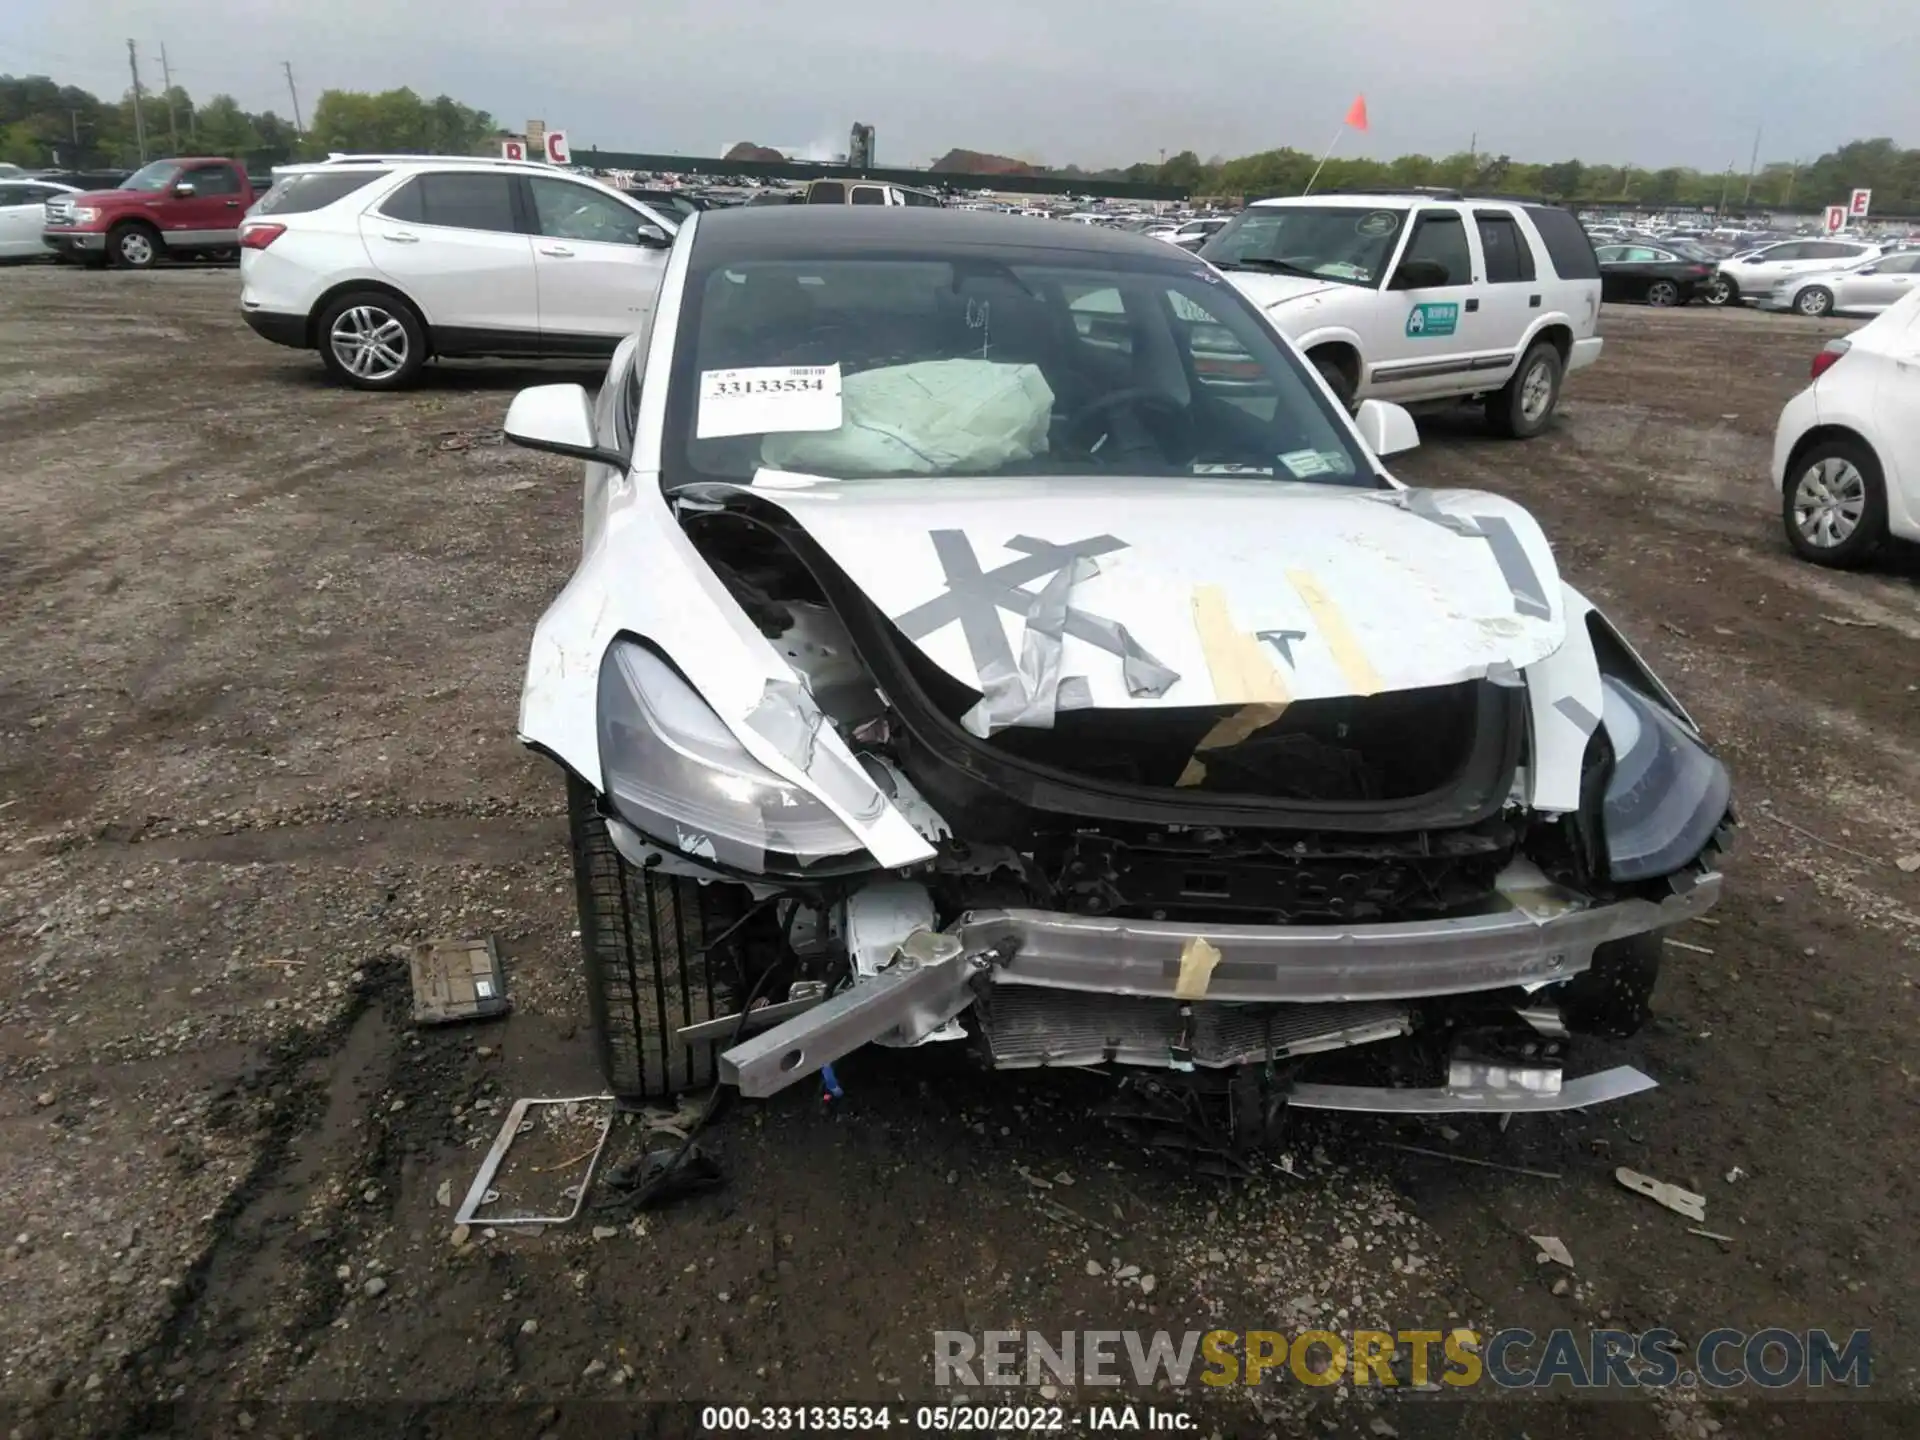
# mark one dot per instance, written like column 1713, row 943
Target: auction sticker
column 768, row 398
column 1377, row 224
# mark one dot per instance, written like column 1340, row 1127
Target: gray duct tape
column 1027, row 692
column 1578, row 714
column 1529, row 597
column 1502, row 673
column 1421, row 503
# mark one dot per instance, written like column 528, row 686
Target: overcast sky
column 1098, row 82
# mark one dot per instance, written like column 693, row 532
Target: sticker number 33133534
column 768, row 398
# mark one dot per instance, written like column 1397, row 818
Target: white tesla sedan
column 933, row 671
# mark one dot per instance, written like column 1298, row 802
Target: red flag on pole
column 1357, row 116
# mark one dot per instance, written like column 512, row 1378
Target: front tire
column 1663, row 293
column 1614, row 995
column 372, row 340
column 1720, row 291
column 134, row 247
column 1522, row 407
column 642, row 938
column 1335, row 374
column 1814, row 301
column 1834, row 504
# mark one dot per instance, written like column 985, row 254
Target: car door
column 1430, row 334
column 210, row 214
column 1896, row 415
column 597, row 281
column 20, row 221
column 453, row 243
column 1879, row 285
column 1510, row 296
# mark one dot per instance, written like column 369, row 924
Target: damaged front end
column 1462, row 875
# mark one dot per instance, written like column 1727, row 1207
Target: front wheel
column 1335, row 374
column 1834, row 504
column 372, row 340
column 134, row 247
column 643, row 939
column 1720, row 291
column 1815, row 300
column 1522, row 407
column 1663, row 293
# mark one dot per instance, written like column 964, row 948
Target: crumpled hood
column 1268, row 291
column 1246, row 590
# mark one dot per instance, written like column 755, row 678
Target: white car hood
column 1269, row 291
column 1246, row 590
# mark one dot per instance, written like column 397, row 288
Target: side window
column 211, row 180
column 462, row 201
column 827, row 192
column 1441, row 239
column 1509, row 257
column 869, row 195
column 1609, row 254
column 566, row 211
column 1829, row 250
column 13, row 195
column 1900, row 265
column 1785, row 252
column 914, row 197
column 405, row 204
column 1567, row 244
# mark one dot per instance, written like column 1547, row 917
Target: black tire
column 1663, row 293
column 1803, row 488
column 134, row 247
column 389, row 326
column 1614, row 995
column 1720, row 291
column 642, row 938
column 1335, row 374
column 1516, row 410
column 1815, row 301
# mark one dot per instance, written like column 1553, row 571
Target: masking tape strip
column 1242, row 673
column 1361, row 677
column 1228, row 730
column 1197, row 959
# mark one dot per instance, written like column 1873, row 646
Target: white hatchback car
column 23, row 213
column 383, row 262
column 1846, row 453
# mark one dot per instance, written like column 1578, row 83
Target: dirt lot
column 263, row 646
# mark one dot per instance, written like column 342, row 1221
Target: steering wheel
column 1132, row 435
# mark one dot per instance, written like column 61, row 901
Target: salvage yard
column 264, row 641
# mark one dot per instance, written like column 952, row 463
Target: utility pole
column 298, row 127
column 1792, row 175
column 173, row 120
column 139, row 121
column 1725, row 184
column 1752, row 165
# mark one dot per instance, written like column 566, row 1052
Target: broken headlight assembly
column 675, row 773
column 1667, row 794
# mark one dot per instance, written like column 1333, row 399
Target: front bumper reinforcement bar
column 936, row 977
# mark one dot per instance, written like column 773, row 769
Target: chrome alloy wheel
column 370, row 343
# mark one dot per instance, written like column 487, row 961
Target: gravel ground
column 264, row 643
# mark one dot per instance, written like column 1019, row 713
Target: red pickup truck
column 173, row 208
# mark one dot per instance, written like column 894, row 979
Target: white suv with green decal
column 1423, row 297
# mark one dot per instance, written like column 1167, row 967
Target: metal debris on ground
column 658, row 1176
column 457, row 980
column 1908, row 863
column 1066, row 1215
column 1710, row 1234
column 1683, row 945
column 1851, row 623
column 1551, row 1247
column 1681, row 1202
column 1468, row 1160
column 492, row 1186
column 1735, row 1175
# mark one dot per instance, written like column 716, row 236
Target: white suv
column 383, row 262
column 1419, row 297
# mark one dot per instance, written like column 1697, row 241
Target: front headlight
column 85, row 214
column 1667, row 794
column 677, row 774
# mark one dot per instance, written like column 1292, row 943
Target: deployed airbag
column 931, row 417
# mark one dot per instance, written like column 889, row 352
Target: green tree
column 225, row 129
column 395, row 120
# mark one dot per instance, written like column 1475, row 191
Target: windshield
column 1333, row 242
column 868, row 367
column 156, row 176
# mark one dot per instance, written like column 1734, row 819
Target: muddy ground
column 263, row 640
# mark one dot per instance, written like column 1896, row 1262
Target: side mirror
column 1419, row 275
column 559, row 420
column 653, row 237
column 1387, row 429
column 184, row 190
column 1868, row 270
